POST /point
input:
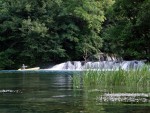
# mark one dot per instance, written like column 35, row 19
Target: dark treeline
column 127, row 29
column 40, row 32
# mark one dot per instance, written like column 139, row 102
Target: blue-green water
column 54, row 92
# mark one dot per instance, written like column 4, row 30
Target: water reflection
column 55, row 93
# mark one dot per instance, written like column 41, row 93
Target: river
column 54, row 92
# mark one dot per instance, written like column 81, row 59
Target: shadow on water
column 55, row 92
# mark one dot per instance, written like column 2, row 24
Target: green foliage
column 41, row 31
column 5, row 58
column 127, row 29
column 133, row 80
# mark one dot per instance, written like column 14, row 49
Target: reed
column 138, row 80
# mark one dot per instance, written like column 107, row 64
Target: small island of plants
column 131, row 80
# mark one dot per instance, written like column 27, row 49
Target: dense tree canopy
column 36, row 32
column 39, row 31
column 127, row 29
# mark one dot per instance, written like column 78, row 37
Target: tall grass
column 131, row 80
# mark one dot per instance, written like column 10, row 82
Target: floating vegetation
column 127, row 86
column 125, row 97
column 9, row 91
column 132, row 79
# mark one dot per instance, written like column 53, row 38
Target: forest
column 42, row 32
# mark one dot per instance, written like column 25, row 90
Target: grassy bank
column 132, row 80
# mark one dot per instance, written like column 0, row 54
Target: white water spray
column 100, row 65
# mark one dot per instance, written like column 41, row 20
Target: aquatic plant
column 130, row 80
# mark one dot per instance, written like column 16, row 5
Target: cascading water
column 100, row 65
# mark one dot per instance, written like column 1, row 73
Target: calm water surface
column 49, row 92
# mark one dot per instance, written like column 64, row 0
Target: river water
column 54, row 92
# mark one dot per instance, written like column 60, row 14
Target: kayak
column 35, row 68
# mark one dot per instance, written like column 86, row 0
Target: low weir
column 99, row 65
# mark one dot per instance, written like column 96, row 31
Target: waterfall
column 99, row 65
